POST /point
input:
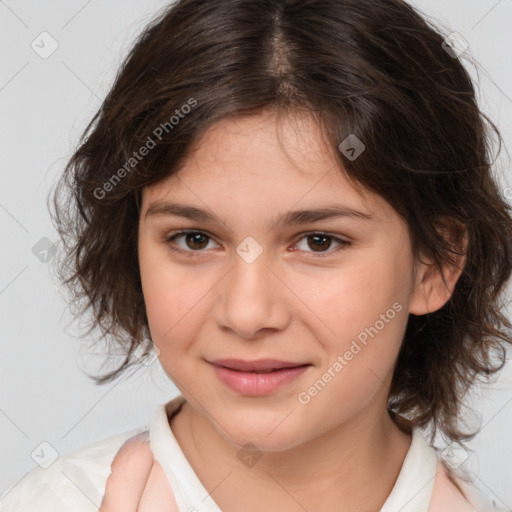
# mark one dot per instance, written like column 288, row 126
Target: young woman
column 294, row 201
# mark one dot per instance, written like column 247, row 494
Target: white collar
column 189, row 492
column 413, row 488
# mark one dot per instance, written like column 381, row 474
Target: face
column 252, row 281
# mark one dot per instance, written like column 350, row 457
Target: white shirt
column 76, row 481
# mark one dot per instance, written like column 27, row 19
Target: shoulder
column 455, row 492
column 75, row 481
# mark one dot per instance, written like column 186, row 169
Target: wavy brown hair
column 374, row 68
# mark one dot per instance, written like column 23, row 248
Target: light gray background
column 45, row 104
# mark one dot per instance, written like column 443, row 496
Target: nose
column 253, row 299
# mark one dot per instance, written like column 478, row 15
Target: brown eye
column 320, row 243
column 194, row 242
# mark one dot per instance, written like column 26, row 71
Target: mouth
column 257, row 366
column 257, row 378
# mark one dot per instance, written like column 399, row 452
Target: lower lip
column 257, row 384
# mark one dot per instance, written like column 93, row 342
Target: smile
column 258, row 382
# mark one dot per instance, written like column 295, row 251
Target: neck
column 351, row 467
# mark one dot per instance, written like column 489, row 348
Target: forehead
column 270, row 162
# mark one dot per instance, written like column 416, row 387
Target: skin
column 340, row 451
column 137, row 483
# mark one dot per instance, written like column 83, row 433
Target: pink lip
column 252, row 383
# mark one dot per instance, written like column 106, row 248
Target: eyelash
column 169, row 240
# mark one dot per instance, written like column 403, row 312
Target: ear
column 433, row 288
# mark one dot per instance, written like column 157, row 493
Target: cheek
column 165, row 295
column 365, row 309
column 352, row 298
column 360, row 317
column 175, row 297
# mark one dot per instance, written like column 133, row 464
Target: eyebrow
column 290, row 218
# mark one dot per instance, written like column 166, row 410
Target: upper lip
column 258, row 365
